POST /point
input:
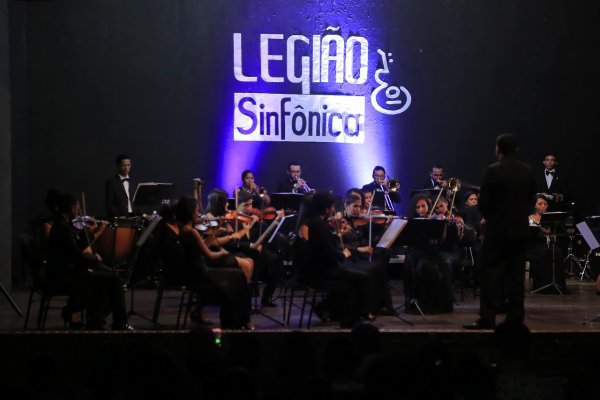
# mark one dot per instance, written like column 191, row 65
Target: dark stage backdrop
column 155, row 79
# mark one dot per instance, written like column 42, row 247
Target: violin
column 239, row 216
column 363, row 219
column 339, row 225
column 85, row 221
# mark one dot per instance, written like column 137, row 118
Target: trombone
column 393, row 184
column 453, row 186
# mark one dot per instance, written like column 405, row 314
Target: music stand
column 554, row 220
column 286, row 201
column 286, row 225
column 430, row 192
column 149, row 196
column 592, row 242
column 416, row 233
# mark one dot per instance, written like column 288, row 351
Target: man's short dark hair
column 550, row 154
column 378, row 168
column 507, row 144
column 438, row 166
column 293, row 163
column 122, row 157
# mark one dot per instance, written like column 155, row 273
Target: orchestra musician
column 229, row 285
column 267, row 263
column 382, row 197
column 540, row 252
column 226, row 236
column 119, row 189
column 553, row 184
column 436, row 177
column 428, row 265
column 352, row 296
column 355, row 236
column 260, row 197
column 294, row 183
column 74, row 267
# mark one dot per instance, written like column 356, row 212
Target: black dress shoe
column 479, row 325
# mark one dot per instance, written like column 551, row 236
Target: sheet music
column 392, row 233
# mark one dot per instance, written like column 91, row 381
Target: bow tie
column 124, row 179
column 550, row 173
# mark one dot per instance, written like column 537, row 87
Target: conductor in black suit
column 507, row 191
column 119, row 189
column 552, row 183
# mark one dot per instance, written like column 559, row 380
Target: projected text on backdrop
column 338, row 118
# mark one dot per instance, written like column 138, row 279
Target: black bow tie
column 549, row 173
column 124, row 179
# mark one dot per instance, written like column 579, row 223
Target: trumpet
column 303, row 188
column 261, row 192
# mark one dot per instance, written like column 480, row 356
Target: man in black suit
column 119, row 189
column 436, row 177
column 507, row 192
column 294, row 183
column 553, row 184
column 383, row 198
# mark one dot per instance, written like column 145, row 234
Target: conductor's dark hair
column 121, row 157
column 507, row 144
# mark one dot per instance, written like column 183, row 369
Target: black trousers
column 227, row 288
column 502, row 279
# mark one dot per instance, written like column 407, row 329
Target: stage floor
column 544, row 313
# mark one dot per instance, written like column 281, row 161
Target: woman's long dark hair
column 217, row 200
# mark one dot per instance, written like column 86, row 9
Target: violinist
column 226, row 236
column 267, row 263
column 352, row 292
column 449, row 245
column 540, row 248
column 72, row 266
column 364, row 257
column 382, row 196
column 260, row 197
column 228, row 283
column 427, row 276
